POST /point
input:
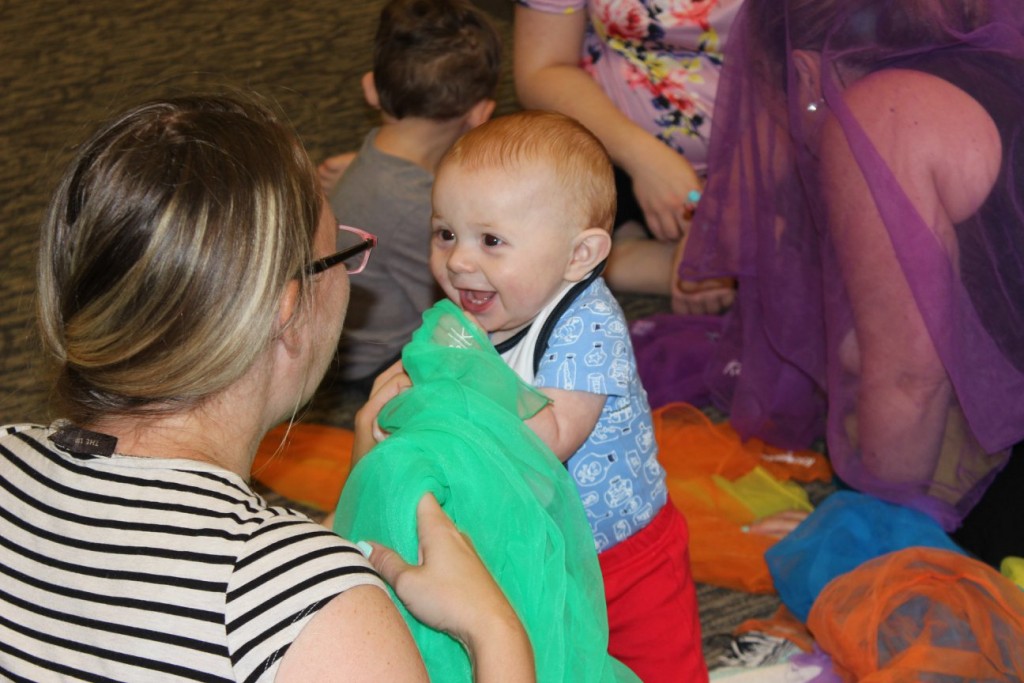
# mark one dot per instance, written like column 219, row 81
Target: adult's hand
column 451, row 590
column 662, row 182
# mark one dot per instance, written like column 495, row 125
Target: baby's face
column 501, row 242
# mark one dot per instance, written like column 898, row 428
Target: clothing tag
column 83, row 442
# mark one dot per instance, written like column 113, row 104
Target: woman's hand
column 389, row 383
column 451, row 590
column 662, row 182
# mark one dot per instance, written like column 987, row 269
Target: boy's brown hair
column 434, row 59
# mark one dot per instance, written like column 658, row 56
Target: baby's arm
column 332, row 168
column 566, row 422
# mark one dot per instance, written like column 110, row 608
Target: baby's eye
column 492, row 241
column 444, row 234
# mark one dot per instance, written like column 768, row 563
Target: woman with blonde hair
column 190, row 298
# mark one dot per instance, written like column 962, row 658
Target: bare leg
column 639, row 264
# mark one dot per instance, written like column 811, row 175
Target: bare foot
column 699, row 297
column 779, row 524
column 703, row 297
column 637, row 263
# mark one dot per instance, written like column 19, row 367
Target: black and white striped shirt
column 148, row 569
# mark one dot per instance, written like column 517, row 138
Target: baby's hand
column 331, row 169
column 368, row 433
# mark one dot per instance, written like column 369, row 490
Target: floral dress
column 657, row 60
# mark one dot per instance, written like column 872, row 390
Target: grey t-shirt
column 389, row 197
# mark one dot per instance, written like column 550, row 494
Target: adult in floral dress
column 642, row 75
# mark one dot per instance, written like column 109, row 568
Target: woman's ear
column 808, row 72
column 370, row 90
column 590, row 247
column 288, row 331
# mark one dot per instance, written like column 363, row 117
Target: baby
column 522, row 214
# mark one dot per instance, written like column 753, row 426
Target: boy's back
column 389, row 196
column 436, row 65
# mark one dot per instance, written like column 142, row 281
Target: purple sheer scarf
column 801, row 356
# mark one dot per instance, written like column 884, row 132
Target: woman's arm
column 357, row 636
column 944, row 152
column 546, row 57
column 360, row 636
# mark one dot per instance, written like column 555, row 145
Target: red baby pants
column 654, row 627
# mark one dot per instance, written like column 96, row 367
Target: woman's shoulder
column 280, row 527
column 929, row 129
column 19, row 427
column 316, row 558
column 913, row 102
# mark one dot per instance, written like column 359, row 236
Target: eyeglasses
column 354, row 257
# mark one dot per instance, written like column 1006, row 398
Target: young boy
column 522, row 214
column 436, row 65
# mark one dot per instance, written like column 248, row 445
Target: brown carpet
column 66, row 66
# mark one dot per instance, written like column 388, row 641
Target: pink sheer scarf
column 789, row 367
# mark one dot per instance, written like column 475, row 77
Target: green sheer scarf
column 459, row 434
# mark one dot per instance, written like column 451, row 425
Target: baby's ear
column 589, row 248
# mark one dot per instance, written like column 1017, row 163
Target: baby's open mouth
column 474, row 300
